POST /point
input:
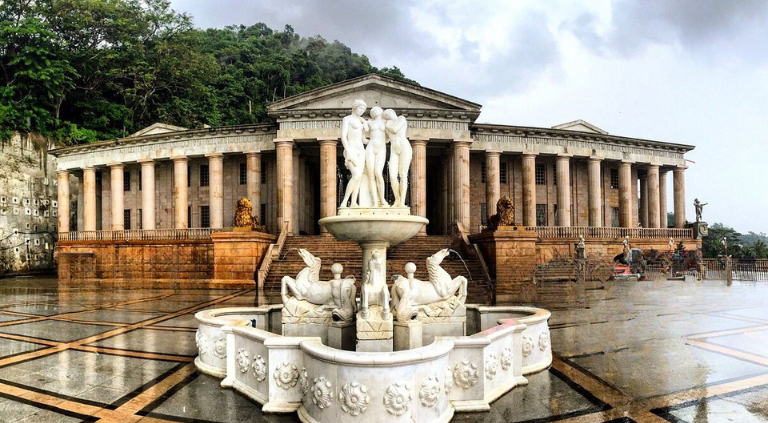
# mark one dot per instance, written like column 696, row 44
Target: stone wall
column 228, row 259
column 150, row 264
column 28, row 204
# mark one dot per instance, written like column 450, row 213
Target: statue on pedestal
column 699, row 207
column 353, row 128
column 338, row 294
column 505, row 214
column 374, row 289
column 400, row 155
column 407, row 293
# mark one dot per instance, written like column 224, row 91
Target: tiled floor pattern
column 674, row 351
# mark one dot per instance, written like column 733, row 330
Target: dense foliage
column 751, row 245
column 87, row 70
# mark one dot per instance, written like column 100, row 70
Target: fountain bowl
column 391, row 229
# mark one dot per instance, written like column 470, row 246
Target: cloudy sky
column 684, row 71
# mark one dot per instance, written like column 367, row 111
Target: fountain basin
column 452, row 374
column 391, row 229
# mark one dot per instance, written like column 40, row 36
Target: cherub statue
column 337, row 293
column 408, row 292
column 374, row 289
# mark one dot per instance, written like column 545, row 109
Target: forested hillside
column 88, row 70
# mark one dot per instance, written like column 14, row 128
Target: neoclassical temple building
column 569, row 180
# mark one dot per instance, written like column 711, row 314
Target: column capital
column 491, row 153
column 214, row 155
column 146, row 161
column 62, row 172
column 679, row 168
column 179, row 158
column 629, row 162
column 564, row 157
column 117, row 165
column 421, row 142
column 529, row 154
column 594, row 159
column 252, row 153
column 283, row 141
column 461, row 142
column 328, row 141
column 652, row 166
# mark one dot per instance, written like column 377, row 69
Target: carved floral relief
column 354, row 398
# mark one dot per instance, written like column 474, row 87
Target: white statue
column 375, row 157
column 374, row 289
column 400, row 155
column 407, row 293
column 353, row 128
column 337, row 293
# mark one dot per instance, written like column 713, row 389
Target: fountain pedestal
column 374, row 229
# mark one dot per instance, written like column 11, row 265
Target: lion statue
column 243, row 216
column 505, row 214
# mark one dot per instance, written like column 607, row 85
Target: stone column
column 419, row 180
column 663, row 199
column 63, row 191
column 678, row 180
column 461, row 181
column 253, row 182
column 563, row 190
column 216, row 189
column 147, row 194
column 284, row 149
column 89, row 199
column 653, row 197
column 643, row 211
column 492, row 181
column 529, row 189
column 328, row 154
column 595, row 193
column 625, row 195
column 116, row 185
column 180, row 192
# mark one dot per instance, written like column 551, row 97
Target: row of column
column 653, row 213
column 653, row 188
column 180, row 192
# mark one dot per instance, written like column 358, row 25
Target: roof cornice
column 529, row 131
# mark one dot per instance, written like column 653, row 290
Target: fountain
column 416, row 352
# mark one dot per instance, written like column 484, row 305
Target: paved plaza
column 674, row 351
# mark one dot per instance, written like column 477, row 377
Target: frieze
column 526, row 142
column 336, row 124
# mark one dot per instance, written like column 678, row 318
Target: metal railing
column 739, row 269
column 272, row 251
column 141, row 234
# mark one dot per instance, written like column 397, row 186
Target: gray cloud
column 699, row 26
column 382, row 31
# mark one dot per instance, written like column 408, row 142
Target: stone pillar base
column 408, row 335
column 341, row 335
column 374, row 334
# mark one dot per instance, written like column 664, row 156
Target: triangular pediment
column 375, row 90
column 157, row 128
column 581, row 126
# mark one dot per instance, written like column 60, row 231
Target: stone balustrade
column 141, row 235
column 616, row 233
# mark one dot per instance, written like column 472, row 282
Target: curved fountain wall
column 323, row 384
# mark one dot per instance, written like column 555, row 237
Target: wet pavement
column 673, row 351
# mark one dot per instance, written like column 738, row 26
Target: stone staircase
column 349, row 254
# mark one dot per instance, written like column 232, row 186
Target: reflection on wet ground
column 673, row 351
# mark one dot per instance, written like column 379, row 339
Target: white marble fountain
column 416, row 352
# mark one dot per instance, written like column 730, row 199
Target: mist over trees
column 87, row 70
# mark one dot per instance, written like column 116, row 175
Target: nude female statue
column 352, row 129
column 375, row 157
column 400, row 155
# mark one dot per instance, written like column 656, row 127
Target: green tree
column 712, row 243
